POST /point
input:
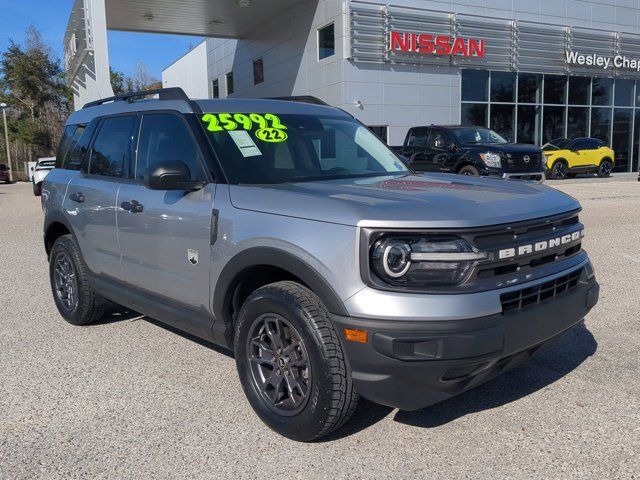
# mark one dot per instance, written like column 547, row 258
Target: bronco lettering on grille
column 541, row 246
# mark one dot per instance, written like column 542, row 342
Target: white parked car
column 43, row 167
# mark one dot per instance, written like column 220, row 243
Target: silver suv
column 292, row 235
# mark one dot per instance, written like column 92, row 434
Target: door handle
column 133, row 206
column 77, row 197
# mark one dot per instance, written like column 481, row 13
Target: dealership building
column 533, row 70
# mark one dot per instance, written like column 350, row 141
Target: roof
column 234, row 105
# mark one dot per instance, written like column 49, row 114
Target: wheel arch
column 259, row 266
column 54, row 228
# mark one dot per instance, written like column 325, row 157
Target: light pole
column 3, row 107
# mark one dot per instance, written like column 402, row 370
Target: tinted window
column 229, row 80
column 326, row 42
column 78, row 152
column 419, row 137
column 555, row 89
column 474, row 85
column 163, row 138
column 215, row 89
column 580, row 144
column 111, row 146
column 579, row 90
column 602, row 91
column 503, row 86
column 65, row 143
column 258, row 71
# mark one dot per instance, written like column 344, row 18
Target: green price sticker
column 268, row 127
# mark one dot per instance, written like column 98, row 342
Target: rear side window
column 581, row 144
column 111, row 146
column 166, row 137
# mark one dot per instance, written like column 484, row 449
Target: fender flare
column 273, row 257
column 50, row 219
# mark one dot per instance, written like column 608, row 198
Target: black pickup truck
column 470, row 151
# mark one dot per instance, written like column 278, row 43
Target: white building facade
column 531, row 69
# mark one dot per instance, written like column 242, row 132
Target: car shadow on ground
column 549, row 365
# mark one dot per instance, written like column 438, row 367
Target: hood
column 504, row 147
column 419, row 200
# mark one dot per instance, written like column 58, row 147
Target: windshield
column 266, row 148
column 557, row 144
column 470, row 135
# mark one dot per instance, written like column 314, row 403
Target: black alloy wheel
column 65, row 282
column 605, row 168
column 279, row 364
column 559, row 170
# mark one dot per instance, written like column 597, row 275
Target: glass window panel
column 529, row 88
column 553, row 123
column 474, row 85
column 578, row 122
column 258, row 71
column 624, row 93
column 111, row 146
column 474, row 114
column 555, row 89
column 622, row 138
column 503, row 86
column 502, row 120
column 528, row 124
column 326, row 42
column 601, row 93
column 229, row 81
column 579, row 90
column 164, row 138
column 601, row 124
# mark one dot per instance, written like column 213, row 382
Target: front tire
column 559, row 170
column 469, row 170
column 605, row 168
column 76, row 302
column 291, row 364
column 37, row 189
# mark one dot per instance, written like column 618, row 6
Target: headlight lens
column 491, row 159
column 423, row 261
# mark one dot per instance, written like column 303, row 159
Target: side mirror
column 170, row 176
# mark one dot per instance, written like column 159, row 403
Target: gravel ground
column 129, row 398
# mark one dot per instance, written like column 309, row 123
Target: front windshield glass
column 557, row 144
column 257, row 148
column 470, row 135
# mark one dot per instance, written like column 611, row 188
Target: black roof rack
column 173, row 93
column 303, row 99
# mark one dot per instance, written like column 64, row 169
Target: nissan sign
column 429, row 44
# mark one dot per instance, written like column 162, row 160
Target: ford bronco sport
column 292, row 235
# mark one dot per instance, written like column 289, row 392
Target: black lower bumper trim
column 411, row 365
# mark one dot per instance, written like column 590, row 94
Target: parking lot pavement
column 130, row 399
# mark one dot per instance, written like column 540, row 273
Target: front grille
column 519, row 299
column 517, row 160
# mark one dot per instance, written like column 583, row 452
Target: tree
column 32, row 82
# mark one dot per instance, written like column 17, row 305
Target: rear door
column 440, row 150
column 92, row 195
column 166, row 241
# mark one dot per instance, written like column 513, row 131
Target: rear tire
column 68, row 274
column 291, row 364
column 469, row 170
column 605, row 168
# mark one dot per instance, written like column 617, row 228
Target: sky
column 125, row 49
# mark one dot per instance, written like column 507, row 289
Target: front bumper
column 534, row 176
column 414, row 364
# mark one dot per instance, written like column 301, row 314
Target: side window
column 111, row 146
column 65, row 144
column 166, row 137
column 580, row 144
column 419, row 138
column 78, row 151
column 438, row 140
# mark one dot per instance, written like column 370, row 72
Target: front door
column 165, row 238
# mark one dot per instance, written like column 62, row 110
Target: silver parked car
column 292, row 235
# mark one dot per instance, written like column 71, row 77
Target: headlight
column 423, row 261
column 491, row 159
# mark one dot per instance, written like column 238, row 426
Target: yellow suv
column 567, row 158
